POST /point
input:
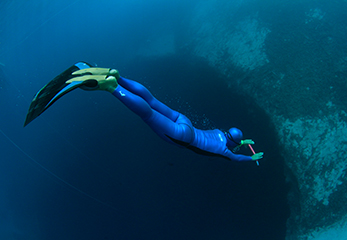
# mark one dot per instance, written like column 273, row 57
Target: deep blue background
column 90, row 169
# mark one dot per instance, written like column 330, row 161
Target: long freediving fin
column 52, row 91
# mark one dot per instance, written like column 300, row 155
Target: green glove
column 257, row 156
column 247, row 141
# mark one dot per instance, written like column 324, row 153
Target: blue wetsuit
column 171, row 125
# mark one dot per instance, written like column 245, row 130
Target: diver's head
column 234, row 137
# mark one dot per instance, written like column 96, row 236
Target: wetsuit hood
column 234, row 137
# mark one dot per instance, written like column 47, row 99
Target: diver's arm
column 237, row 157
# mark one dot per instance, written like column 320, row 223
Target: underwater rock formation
column 292, row 59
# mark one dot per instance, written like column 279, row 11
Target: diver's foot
column 96, row 79
column 97, row 71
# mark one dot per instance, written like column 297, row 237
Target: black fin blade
column 47, row 95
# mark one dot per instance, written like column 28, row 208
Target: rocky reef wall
column 291, row 57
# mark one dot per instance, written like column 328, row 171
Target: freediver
column 168, row 124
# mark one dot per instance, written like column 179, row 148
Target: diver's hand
column 247, row 141
column 257, row 156
column 97, row 71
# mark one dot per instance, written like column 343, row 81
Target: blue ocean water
column 90, row 169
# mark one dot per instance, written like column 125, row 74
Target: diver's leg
column 144, row 93
column 160, row 124
column 108, row 79
column 165, row 122
column 135, row 103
